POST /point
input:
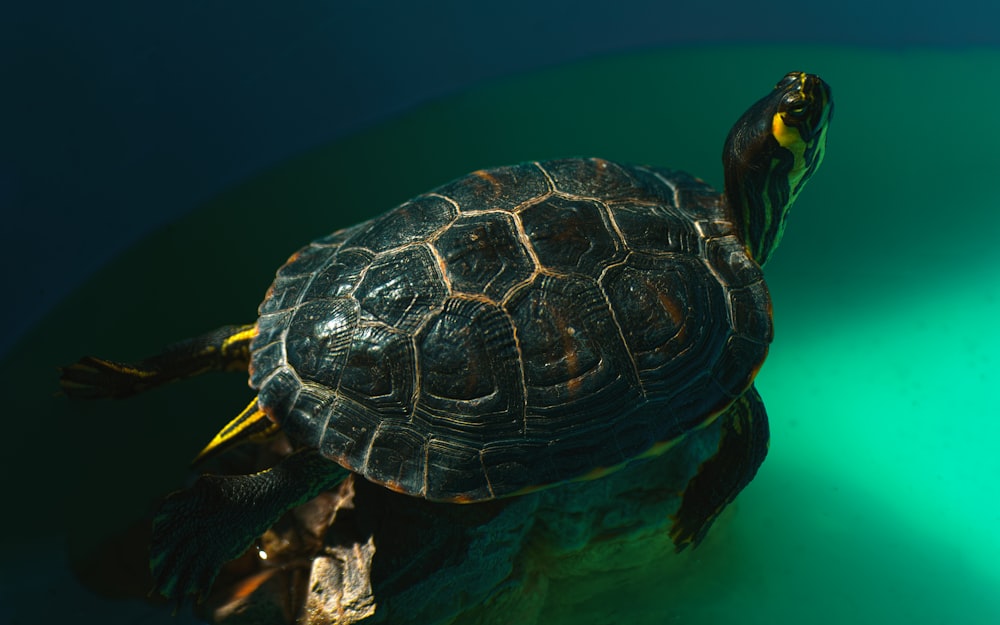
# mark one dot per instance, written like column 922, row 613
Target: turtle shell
column 516, row 328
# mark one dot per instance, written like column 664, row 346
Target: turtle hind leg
column 252, row 424
column 742, row 448
column 226, row 348
column 196, row 531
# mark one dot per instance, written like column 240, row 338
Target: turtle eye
column 795, row 105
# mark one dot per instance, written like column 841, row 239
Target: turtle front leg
column 196, row 531
column 742, row 448
column 226, row 348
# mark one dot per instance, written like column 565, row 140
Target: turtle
column 515, row 329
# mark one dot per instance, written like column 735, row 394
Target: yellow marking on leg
column 235, row 348
column 251, row 424
column 245, row 335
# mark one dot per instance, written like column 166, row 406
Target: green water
column 878, row 502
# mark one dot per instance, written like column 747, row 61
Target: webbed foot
column 95, row 378
column 195, row 532
column 198, row 530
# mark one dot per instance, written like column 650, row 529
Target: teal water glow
column 879, row 500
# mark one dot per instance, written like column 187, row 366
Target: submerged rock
column 365, row 555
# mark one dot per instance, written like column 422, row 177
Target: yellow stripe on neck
column 789, row 138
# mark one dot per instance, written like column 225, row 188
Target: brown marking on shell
column 294, row 257
column 395, row 487
column 669, row 304
column 462, row 499
column 495, row 184
column 567, row 332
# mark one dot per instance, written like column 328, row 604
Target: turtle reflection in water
column 517, row 329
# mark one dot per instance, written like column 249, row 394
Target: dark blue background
column 117, row 117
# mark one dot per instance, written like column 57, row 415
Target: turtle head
column 770, row 154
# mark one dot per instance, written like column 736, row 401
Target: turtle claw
column 686, row 533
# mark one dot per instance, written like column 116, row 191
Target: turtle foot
column 195, row 532
column 198, row 530
column 95, row 378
